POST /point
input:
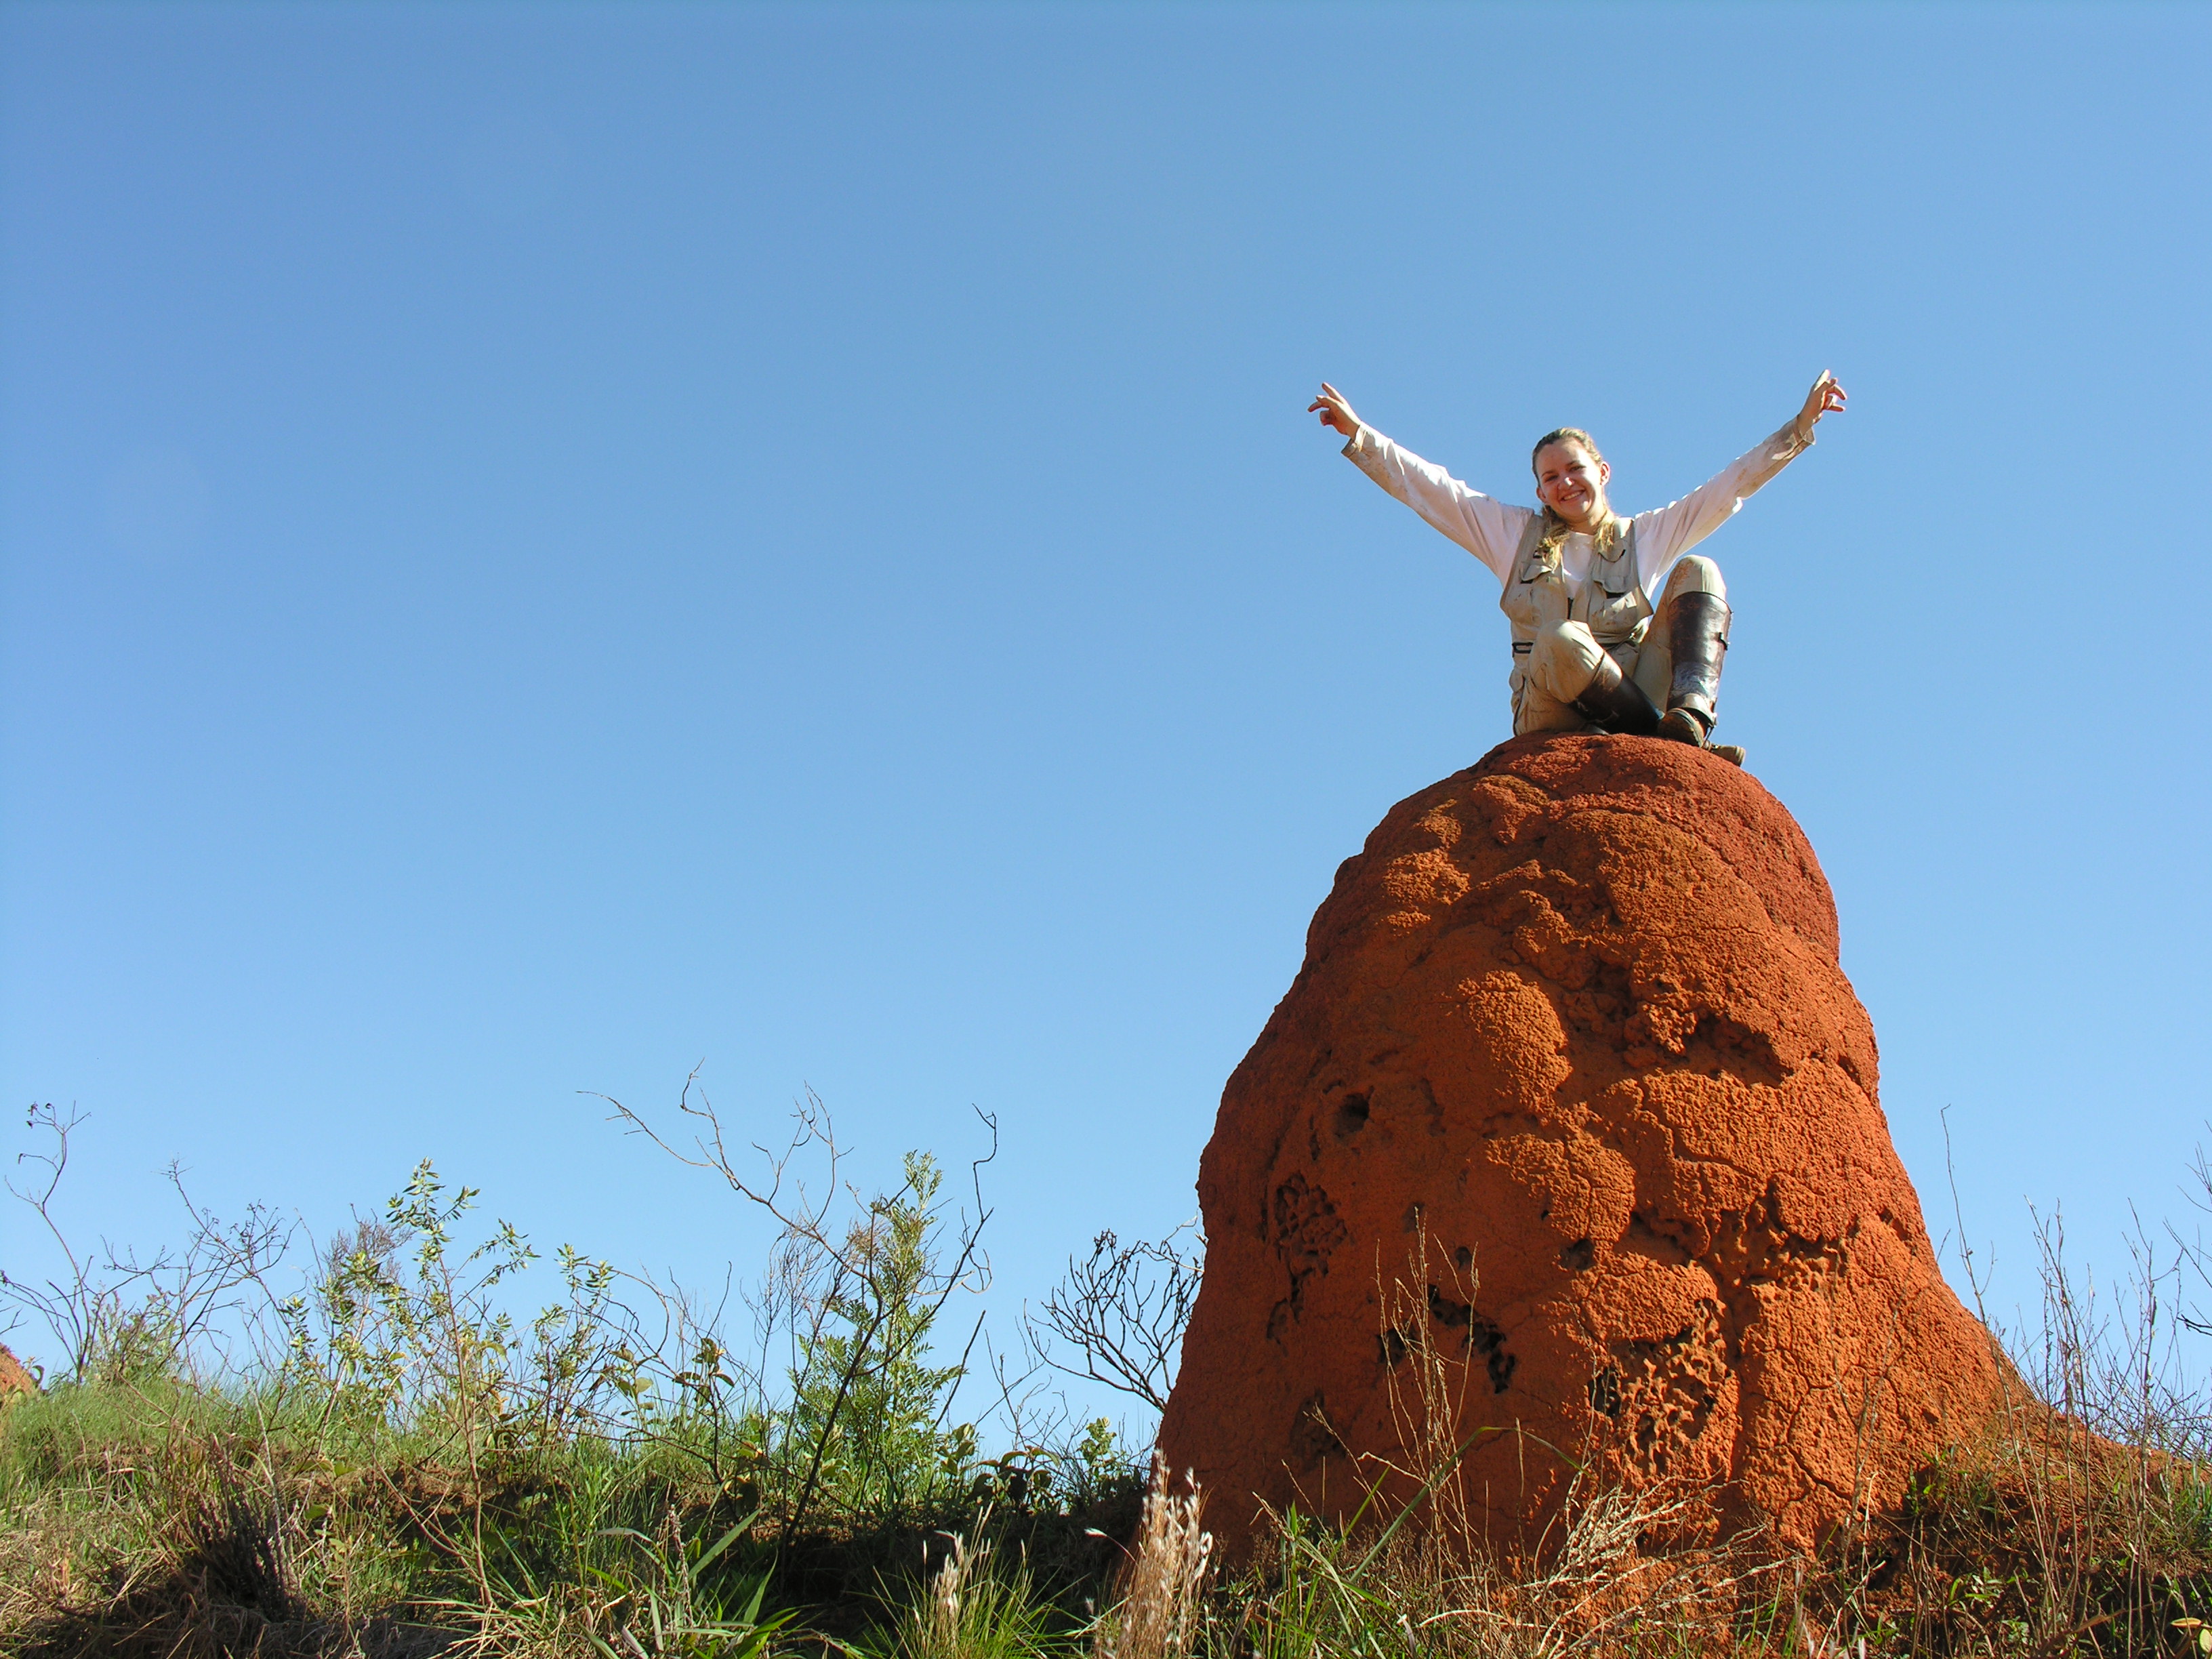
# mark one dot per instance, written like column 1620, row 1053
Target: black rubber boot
column 1697, row 637
column 1616, row 702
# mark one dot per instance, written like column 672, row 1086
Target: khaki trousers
column 1562, row 659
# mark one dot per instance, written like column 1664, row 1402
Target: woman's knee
column 1694, row 573
column 1562, row 659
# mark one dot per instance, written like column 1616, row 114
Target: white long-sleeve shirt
column 1491, row 530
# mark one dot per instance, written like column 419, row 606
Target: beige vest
column 1611, row 604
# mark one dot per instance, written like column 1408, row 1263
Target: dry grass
column 1158, row 1616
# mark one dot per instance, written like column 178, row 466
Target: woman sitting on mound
column 1595, row 643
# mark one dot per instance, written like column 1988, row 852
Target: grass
column 152, row 1515
column 395, row 1467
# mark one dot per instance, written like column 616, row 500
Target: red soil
column 1571, row 1088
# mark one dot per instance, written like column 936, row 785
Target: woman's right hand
column 1334, row 411
column 1825, row 398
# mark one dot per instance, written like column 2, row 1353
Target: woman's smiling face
column 1572, row 482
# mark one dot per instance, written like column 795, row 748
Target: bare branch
column 1124, row 1310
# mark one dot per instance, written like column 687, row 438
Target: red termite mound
column 1570, row 1088
column 14, row 1379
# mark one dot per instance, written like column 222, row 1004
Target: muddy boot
column 1616, row 702
column 1697, row 636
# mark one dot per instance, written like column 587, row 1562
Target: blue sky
column 544, row 545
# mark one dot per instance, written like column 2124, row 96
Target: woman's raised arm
column 1664, row 534
column 1488, row 529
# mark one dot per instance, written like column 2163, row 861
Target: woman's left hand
column 1824, row 398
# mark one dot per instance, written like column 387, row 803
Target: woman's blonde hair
column 1556, row 529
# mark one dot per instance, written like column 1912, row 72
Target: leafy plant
column 862, row 1429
